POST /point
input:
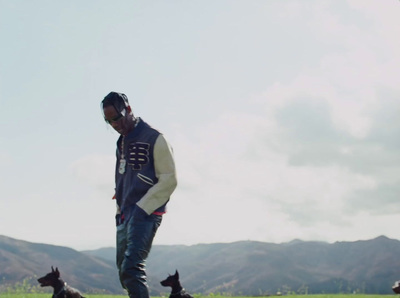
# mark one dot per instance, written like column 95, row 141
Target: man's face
column 117, row 120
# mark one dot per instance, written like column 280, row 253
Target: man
column 145, row 177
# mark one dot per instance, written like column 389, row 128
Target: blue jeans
column 134, row 240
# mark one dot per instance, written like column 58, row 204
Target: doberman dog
column 61, row 289
column 396, row 287
column 177, row 290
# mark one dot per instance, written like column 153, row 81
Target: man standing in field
column 145, row 177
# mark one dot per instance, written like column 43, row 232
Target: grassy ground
column 3, row 295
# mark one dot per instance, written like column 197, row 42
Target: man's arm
column 164, row 165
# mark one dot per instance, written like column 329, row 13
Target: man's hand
column 139, row 213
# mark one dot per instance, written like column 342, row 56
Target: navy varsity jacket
column 149, row 177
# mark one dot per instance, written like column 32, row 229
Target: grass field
column 4, row 295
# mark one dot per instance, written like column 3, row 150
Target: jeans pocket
column 120, row 228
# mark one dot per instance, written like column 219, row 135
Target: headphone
column 119, row 101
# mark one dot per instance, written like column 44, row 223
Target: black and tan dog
column 177, row 290
column 396, row 287
column 61, row 289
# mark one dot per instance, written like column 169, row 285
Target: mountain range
column 238, row 268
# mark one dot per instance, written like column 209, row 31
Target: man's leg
column 139, row 238
column 121, row 247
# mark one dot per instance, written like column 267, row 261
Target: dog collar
column 62, row 289
column 178, row 293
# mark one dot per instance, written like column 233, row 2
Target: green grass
column 46, row 295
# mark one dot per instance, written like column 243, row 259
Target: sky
column 283, row 117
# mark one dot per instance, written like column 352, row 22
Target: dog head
column 171, row 280
column 396, row 287
column 50, row 279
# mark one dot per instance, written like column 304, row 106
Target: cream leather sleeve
column 164, row 165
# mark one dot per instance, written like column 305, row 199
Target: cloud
column 315, row 155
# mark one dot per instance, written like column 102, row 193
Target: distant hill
column 239, row 268
column 21, row 260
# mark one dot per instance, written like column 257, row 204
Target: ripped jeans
column 134, row 240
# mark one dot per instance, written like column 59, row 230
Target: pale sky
column 283, row 116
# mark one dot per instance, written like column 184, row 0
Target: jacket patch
column 138, row 155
